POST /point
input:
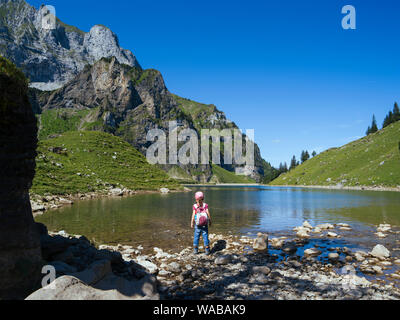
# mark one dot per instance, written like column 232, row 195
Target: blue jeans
column 201, row 231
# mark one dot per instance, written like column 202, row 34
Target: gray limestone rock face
column 128, row 102
column 125, row 101
column 57, row 60
column 101, row 42
column 20, row 255
column 52, row 57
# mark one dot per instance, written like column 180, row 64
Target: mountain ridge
column 85, row 81
column 128, row 102
column 51, row 58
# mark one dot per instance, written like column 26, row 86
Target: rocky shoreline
column 239, row 267
column 41, row 204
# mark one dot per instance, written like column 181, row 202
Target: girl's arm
column 192, row 222
column 209, row 217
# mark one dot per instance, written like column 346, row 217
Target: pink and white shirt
column 200, row 209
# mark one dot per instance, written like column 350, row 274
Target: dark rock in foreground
column 20, row 258
column 84, row 272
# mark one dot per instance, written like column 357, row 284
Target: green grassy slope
column 199, row 113
column 371, row 161
column 220, row 175
column 78, row 162
column 60, row 121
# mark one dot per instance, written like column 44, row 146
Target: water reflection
column 155, row 218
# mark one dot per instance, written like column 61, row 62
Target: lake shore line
column 223, row 185
column 249, row 185
column 239, row 268
column 40, row 204
column 358, row 188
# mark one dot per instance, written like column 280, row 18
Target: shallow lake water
column 164, row 220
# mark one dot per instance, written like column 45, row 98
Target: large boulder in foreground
column 20, row 256
column 71, row 288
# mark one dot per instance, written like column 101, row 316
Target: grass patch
column 88, row 161
column 197, row 112
column 220, row 175
column 146, row 75
column 57, row 121
column 178, row 173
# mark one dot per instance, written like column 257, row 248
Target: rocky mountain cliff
column 93, row 84
column 51, row 58
column 128, row 102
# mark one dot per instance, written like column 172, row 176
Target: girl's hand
column 210, row 224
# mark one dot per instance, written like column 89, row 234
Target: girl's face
column 200, row 201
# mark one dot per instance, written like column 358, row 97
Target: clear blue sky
column 284, row 68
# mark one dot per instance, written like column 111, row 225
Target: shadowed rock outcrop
column 85, row 272
column 20, row 256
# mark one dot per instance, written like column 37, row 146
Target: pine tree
column 293, row 163
column 392, row 116
column 285, row 167
column 304, row 156
column 314, row 153
column 389, row 119
column 282, row 168
column 373, row 128
column 396, row 112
